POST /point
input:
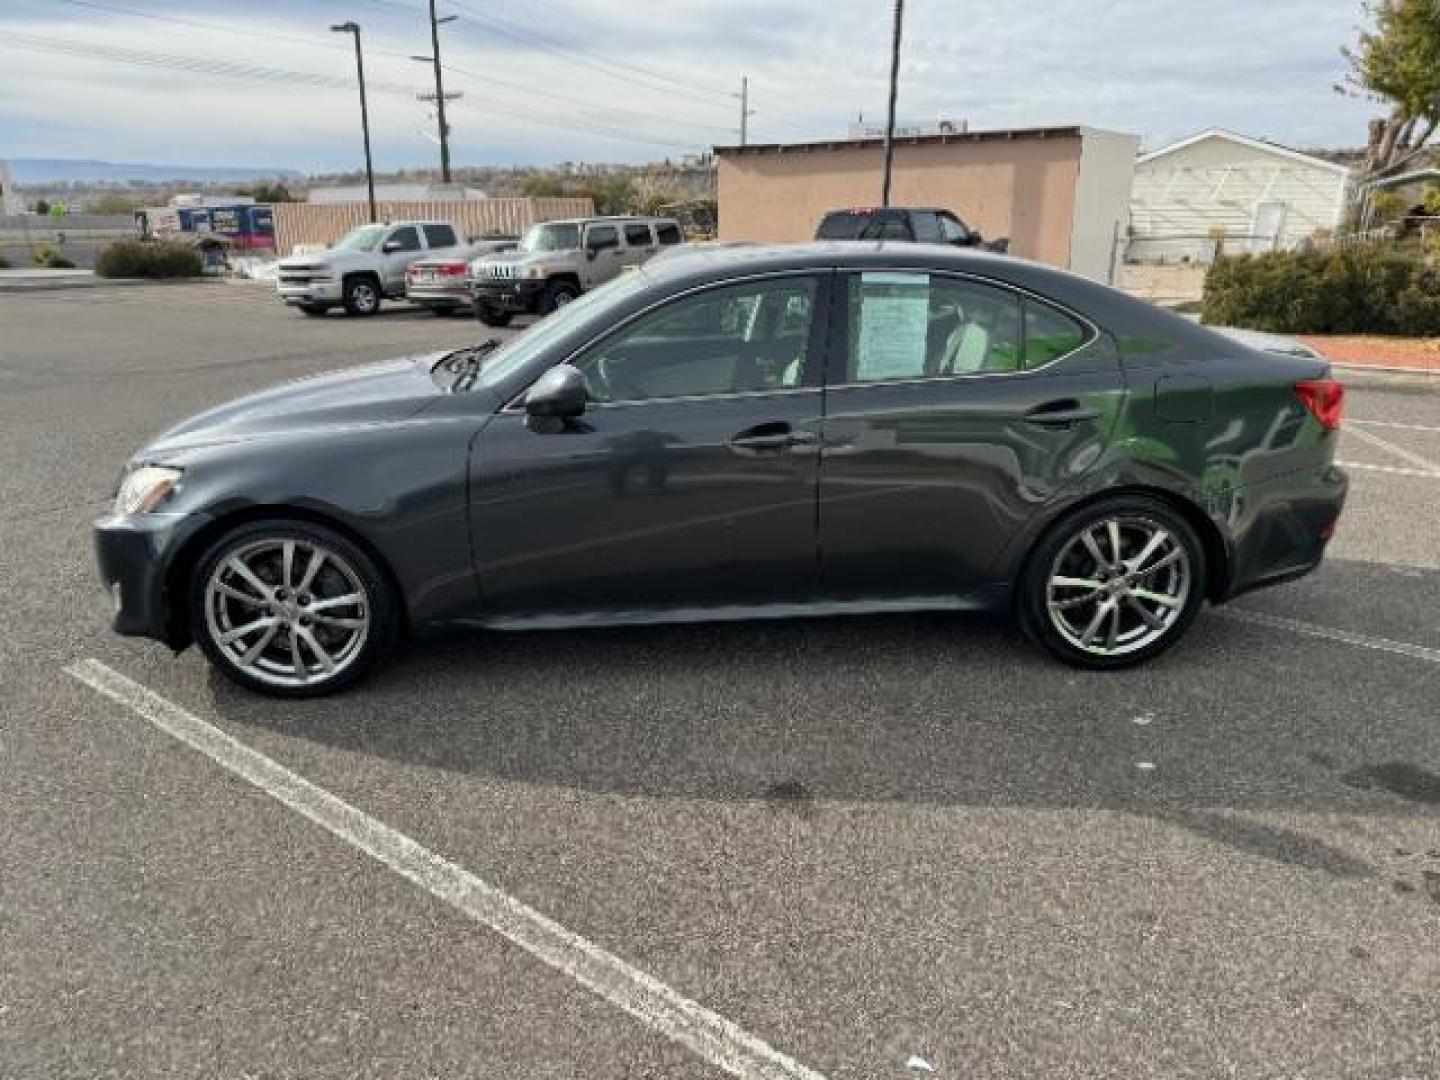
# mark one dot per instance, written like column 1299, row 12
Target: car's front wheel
column 290, row 608
column 1114, row 584
column 556, row 295
column 362, row 296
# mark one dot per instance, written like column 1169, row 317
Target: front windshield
column 551, row 238
column 591, row 307
column 364, row 238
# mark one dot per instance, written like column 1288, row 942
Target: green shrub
column 50, row 258
column 149, row 259
column 1362, row 289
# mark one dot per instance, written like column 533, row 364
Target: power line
column 623, row 72
column 199, row 65
column 615, row 113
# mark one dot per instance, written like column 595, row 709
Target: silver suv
column 363, row 267
column 558, row 260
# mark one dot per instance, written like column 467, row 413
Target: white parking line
column 1393, row 470
column 708, row 1034
column 1349, row 637
column 1392, row 424
column 1399, row 451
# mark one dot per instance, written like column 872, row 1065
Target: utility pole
column 354, row 28
column 439, row 97
column 745, row 111
column 894, row 84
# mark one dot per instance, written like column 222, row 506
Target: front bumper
column 135, row 557
column 312, row 291
column 509, row 295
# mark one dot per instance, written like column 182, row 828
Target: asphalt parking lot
column 878, row 847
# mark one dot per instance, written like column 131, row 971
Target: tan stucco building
column 1060, row 194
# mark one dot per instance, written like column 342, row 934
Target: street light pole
column 354, row 28
column 894, row 83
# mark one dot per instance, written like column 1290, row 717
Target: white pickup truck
column 362, row 268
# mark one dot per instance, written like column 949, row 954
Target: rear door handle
column 1060, row 414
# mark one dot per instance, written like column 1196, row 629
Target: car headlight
column 144, row 489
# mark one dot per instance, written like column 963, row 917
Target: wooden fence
column 323, row 223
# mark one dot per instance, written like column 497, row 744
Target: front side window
column 551, row 238
column 747, row 338
column 364, row 238
column 952, row 230
column 440, row 236
column 404, row 239
column 637, row 234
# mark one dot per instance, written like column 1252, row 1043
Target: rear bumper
column 1280, row 528
column 135, row 555
column 439, row 295
column 509, row 295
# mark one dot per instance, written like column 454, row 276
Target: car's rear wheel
column 362, row 296
column 556, row 295
column 1114, row 584
column 290, row 608
column 492, row 316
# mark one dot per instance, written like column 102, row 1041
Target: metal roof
column 1072, row 131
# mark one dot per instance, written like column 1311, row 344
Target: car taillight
column 452, row 270
column 1324, row 398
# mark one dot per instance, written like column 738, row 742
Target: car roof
column 606, row 218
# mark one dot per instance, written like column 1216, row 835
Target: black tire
column 361, row 296
column 347, row 564
column 557, row 294
column 492, row 316
column 1055, row 553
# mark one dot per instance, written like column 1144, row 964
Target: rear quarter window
column 1049, row 334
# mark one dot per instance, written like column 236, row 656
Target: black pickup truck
column 926, row 225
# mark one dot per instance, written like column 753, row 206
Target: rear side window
column 919, row 326
column 668, row 232
column 440, row 236
column 951, row 229
column 602, row 236
column 927, row 227
column 407, row 239
column 637, row 234
column 1049, row 334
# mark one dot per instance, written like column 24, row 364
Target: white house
column 1262, row 195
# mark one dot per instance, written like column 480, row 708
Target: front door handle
column 771, row 437
column 1061, row 414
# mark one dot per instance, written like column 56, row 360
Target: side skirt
column 994, row 599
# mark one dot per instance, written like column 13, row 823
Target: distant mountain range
column 62, row 170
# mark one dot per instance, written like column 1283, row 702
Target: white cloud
column 1161, row 68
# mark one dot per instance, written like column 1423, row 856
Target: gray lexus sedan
column 741, row 433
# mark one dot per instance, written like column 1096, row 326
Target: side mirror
column 559, row 392
column 390, row 246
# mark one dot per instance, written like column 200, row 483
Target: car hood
column 372, row 394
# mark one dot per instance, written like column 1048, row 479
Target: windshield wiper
column 465, row 364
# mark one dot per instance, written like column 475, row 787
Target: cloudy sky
column 264, row 83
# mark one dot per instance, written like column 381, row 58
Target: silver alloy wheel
column 362, row 295
column 288, row 612
column 562, row 298
column 1118, row 585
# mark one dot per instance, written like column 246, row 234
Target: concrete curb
column 40, row 285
